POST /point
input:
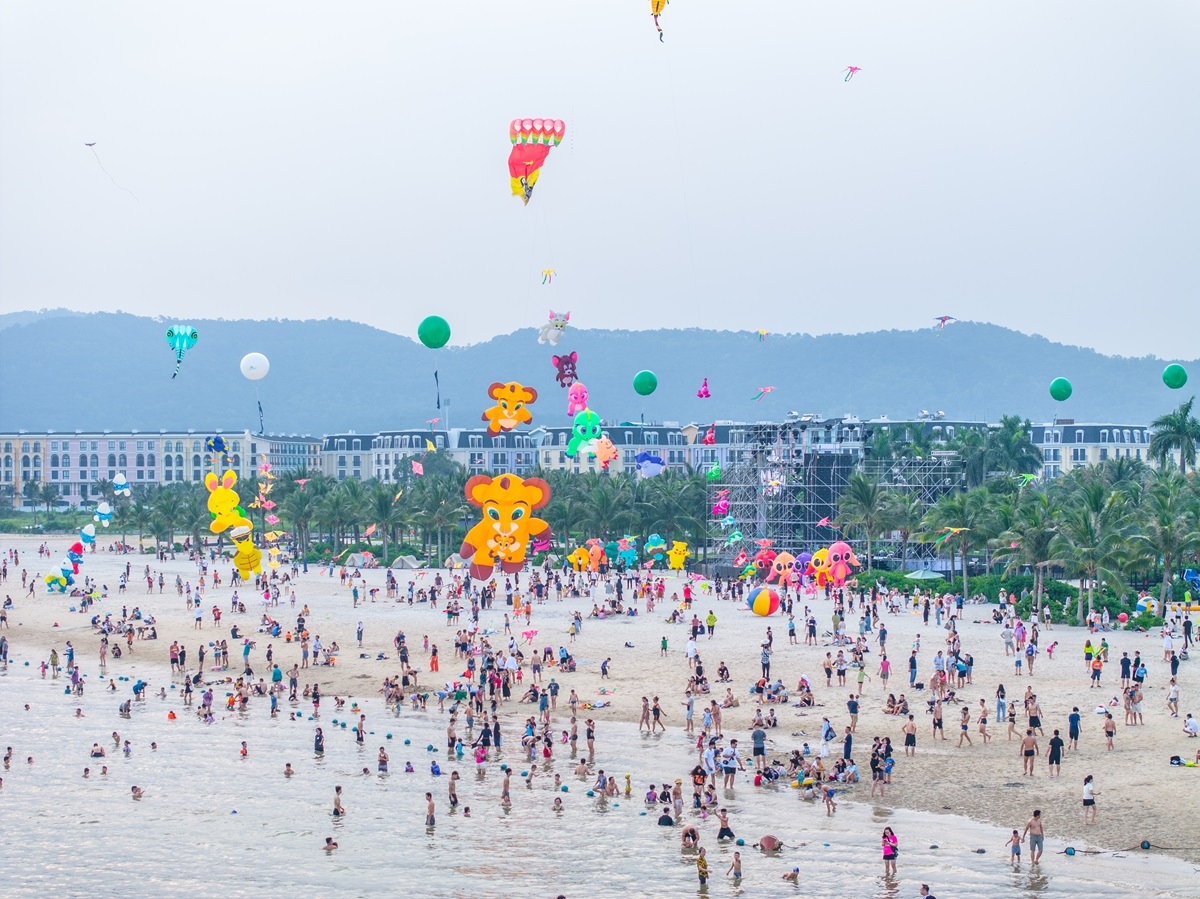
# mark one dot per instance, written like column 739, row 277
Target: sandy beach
column 1139, row 789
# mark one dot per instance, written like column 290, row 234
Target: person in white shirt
column 1191, row 726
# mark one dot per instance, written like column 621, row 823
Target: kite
column 850, row 70
column 826, row 523
column 734, row 538
column 553, row 328
column 507, row 526
column 577, row 398
column 710, row 436
column 396, row 498
column 532, row 140
column 762, row 391
column 92, row 146
column 703, row 391
column 585, row 430
column 300, row 482
column 943, row 320
column 431, row 422
column 727, row 522
column 783, row 568
column 714, row 473
column 120, row 485
column 417, row 468
column 181, row 338
column 103, row 514
column 1026, row 479
column 656, row 10
column 548, row 275
column 567, row 372
column 764, row 559
column 762, row 335
column 817, row 566
column 721, row 506
column 946, row 533
column 510, row 409
column 369, row 530
column 604, row 451
column 216, row 445
column 649, row 465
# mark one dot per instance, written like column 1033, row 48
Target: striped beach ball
column 763, row 601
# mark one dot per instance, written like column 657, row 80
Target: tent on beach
column 407, row 562
column 361, row 560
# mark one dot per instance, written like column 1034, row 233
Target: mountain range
column 63, row 370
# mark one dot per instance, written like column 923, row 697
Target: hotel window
column 150, row 463
column 474, row 440
column 651, row 437
column 25, row 446
column 95, row 461
column 112, row 460
column 1078, row 454
column 1127, row 440
column 1079, row 436
column 439, row 441
column 1103, row 454
column 357, row 444
column 53, row 445
column 122, row 460
column 1104, row 435
column 497, row 442
column 498, row 461
column 121, row 446
column 54, row 460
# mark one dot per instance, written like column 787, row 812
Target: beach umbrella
column 924, row 574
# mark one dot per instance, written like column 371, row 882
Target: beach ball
column 1060, row 389
column 590, row 793
column 564, row 788
column 1123, row 617
column 763, row 601
column 1174, row 375
column 255, row 366
column 434, row 332
column 645, row 383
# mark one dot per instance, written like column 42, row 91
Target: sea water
column 212, row 823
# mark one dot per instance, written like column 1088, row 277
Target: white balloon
column 255, row 366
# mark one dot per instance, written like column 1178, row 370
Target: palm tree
column 140, row 511
column 1176, row 431
column 1091, row 539
column 968, row 514
column 865, row 504
column 193, row 513
column 384, row 513
column 168, row 506
column 1028, row 538
column 32, row 491
column 1168, row 524
column 904, row 515
column 1010, row 450
column 609, row 507
column 972, row 447
column 442, row 507
column 48, row 494
column 334, row 513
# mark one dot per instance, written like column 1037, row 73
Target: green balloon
column 434, row 331
column 1060, row 389
column 1174, row 375
column 645, row 383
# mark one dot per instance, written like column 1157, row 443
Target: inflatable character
column 510, row 409
column 783, row 569
column 103, row 514
column 579, row 558
column 507, row 527
column 841, row 557
column 224, row 505
column 604, row 451
column 586, row 429
column 595, row 554
column 248, row 558
column 764, row 559
column 629, row 551
column 56, row 582
column 655, row 548
column 710, row 436
column 721, row 506
column 120, row 485
column 87, row 534
column 552, row 331
column 567, row 373
column 677, row 555
column 577, row 397
column 818, row 566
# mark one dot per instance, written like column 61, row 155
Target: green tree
column 905, row 512
column 1091, row 539
column 961, row 521
column 1167, row 525
column 1174, row 432
column 865, row 505
column 1010, row 449
column 1027, row 540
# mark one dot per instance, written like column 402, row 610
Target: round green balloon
column 434, row 332
column 645, row 383
column 1060, row 389
column 1174, row 375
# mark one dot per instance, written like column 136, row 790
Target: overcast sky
column 1032, row 164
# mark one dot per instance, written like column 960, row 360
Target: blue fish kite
column 649, row 465
column 181, row 338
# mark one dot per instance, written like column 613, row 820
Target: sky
column 1030, row 164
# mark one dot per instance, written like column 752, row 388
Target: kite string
column 110, row 177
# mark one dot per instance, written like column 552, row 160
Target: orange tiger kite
column 510, row 409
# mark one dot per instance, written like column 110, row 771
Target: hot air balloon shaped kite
column 532, row 140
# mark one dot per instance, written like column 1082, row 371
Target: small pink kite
column 418, row 468
column 943, row 320
column 528, row 635
column 850, row 70
column 703, row 391
column 762, row 391
column 826, row 523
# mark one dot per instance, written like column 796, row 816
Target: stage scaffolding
column 781, row 481
column 928, row 479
